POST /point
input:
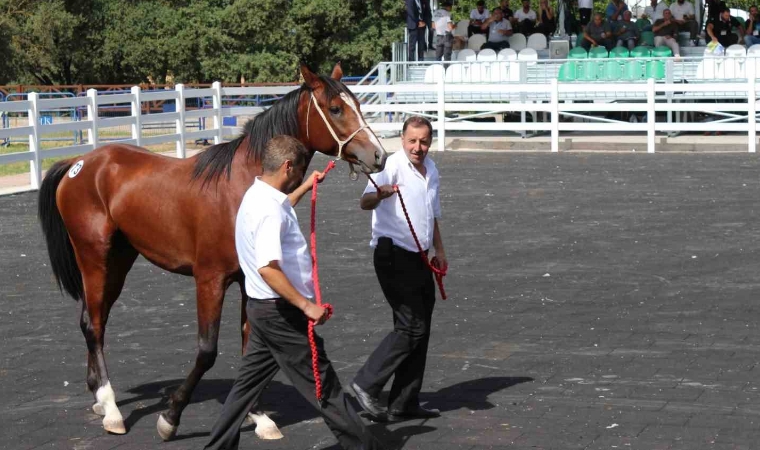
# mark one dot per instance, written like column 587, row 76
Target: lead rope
column 317, row 290
column 433, row 263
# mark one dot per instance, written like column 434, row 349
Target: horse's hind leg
column 210, row 287
column 104, row 269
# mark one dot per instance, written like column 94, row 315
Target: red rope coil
column 317, row 290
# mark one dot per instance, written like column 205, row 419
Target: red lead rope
column 317, row 291
column 432, row 264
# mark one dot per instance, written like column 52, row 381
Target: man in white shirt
column 443, row 26
column 524, row 19
column 275, row 260
column 499, row 30
column 404, row 277
column 477, row 17
column 654, row 12
column 683, row 13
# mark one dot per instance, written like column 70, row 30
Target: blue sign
column 46, row 120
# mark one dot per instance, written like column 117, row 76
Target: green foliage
column 133, row 41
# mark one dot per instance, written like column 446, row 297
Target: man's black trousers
column 407, row 283
column 278, row 340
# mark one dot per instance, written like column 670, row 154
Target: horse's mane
column 280, row 119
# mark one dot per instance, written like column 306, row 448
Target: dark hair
column 416, row 122
column 445, row 4
column 280, row 149
column 480, row 3
column 497, row 8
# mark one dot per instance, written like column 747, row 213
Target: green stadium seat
column 613, row 70
column 635, row 70
column 620, row 52
column 642, row 23
column 647, row 38
column 598, row 52
column 662, row 52
column 577, row 53
column 742, row 22
column 641, row 52
column 568, row 71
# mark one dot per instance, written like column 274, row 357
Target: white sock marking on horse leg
column 112, row 422
column 265, row 428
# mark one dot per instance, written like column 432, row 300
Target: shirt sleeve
column 267, row 243
column 381, row 178
column 473, row 14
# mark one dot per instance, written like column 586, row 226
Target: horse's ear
column 337, row 72
column 308, row 77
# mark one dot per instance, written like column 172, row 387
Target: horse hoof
column 166, row 430
column 98, row 409
column 114, row 425
column 266, row 429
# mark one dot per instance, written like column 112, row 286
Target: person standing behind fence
column 585, row 8
column 275, row 260
column 524, row 19
column 406, row 280
column 443, row 26
column 415, row 24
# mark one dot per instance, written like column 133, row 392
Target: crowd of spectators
column 613, row 28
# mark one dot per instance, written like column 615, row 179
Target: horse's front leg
column 265, row 427
column 210, row 287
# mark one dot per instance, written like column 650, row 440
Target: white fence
column 384, row 114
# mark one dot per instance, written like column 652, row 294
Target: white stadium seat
column 467, row 55
column 509, row 54
column 734, row 62
column 476, row 41
column 499, row 72
column 461, row 29
column 527, row 54
column 456, row 73
column 517, row 42
column 753, row 53
column 537, row 41
column 478, row 73
column 434, row 73
column 487, row 55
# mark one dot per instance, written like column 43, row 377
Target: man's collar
column 276, row 194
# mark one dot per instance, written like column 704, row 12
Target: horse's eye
column 334, row 110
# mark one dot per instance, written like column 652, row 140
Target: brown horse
column 100, row 211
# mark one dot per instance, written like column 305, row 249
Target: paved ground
column 597, row 301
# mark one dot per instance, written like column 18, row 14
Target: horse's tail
column 62, row 259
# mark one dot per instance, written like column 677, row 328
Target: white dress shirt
column 521, row 15
column 267, row 230
column 587, row 4
column 421, row 199
column 495, row 27
column 442, row 19
column 655, row 14
column 680, row 10
column 475, row 15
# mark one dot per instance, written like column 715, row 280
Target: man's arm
column 301, row 190
column 440, row 253
column 371, row 200
column 656, row 28
column 587, row 37
column 710, row 33
column 273, row 275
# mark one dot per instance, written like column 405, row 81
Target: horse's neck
column 245, row 169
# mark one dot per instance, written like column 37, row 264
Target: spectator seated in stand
column 666, row 32
column 524, row 20
column 597, row 33
column 721, row 30
column 477, row 17
column 506, row 11
column 546, row 23
column 499, row 30
column 626, row 32
column 615, row 10
column 752, row 35
column 683, row 13
column 654, row 12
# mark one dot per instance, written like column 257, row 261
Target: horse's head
column 334, row 124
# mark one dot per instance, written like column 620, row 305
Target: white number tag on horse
column 76, row 168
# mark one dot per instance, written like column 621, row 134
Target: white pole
column 441, row 115
column 555, row 115
column 35, row 165
column 751, row 105
column 180, row 109
column 218, row 116
column 92, row 116
column 650, row 115
column 137, row 115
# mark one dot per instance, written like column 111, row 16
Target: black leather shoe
column 369, row 403
column 418, row 413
